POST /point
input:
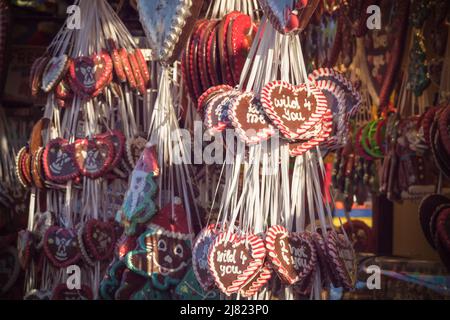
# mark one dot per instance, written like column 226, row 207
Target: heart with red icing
column 61, row 246
column 93, row 157
column 248, row 119
column 341, row 258
column 294, row 110
column 54, row 71
column 100, row 239
column 117, row 138
column 62, row 292
column 234, row 260
column 293, row 255
column 89, row 75
column 59, row 162
column 255, row 285
column 200, row 251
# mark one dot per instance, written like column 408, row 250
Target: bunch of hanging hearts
column 90, row 242
column 245, row 263
column 87, row 76
column 109, row 155
column 216, row 52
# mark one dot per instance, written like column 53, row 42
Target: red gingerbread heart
column 294, row 110
column 234, row 260
column 62, row 292
column 58, row 161
column 293, row 255
column 341, row 257
column 100, row 239
column 93, row 157
column 25, row 248
column 54, row 71
column 61, row 246
column 89, row 75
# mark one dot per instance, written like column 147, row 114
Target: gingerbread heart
column 200, row 251
column 100, row 239
column 58, row 161
column 255, row 285
column 293, row 109
column 93, row 157
column 342, row 259
column 89, row 75
column 167, row 25
column 234, row 260
column 249, row 120
column 62, row 292
column 54, row 71
column 134, row 148
column 61, row 246
column 293, row 255
column 117, row 138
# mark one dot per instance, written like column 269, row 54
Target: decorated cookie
column 59, row 161
column 61, row 246
column 341, row 258
column 100, row 239
column 293, row 255
column 235, row 260
column 291, row 110
column 93, row 157
column 164, row 253
column 258, row 281
column 249, row 120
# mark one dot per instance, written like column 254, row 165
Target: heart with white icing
column 294, row 110
column 234, row 260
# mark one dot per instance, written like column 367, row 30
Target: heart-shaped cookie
column 293, row 109
column 117, row 138
column 100, row 239
column 89, row 75
column 320, row 135
column 249, row 120
column 59, row 161
column 93, row 157
column 234, row 260
column 293, row 255
column 167, row 25
column 54, row 71
column 342, row 259
column 61, row 246
column 62, row 292
column 255, row 285
column 200, row 251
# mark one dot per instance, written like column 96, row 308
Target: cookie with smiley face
column 164, row 249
